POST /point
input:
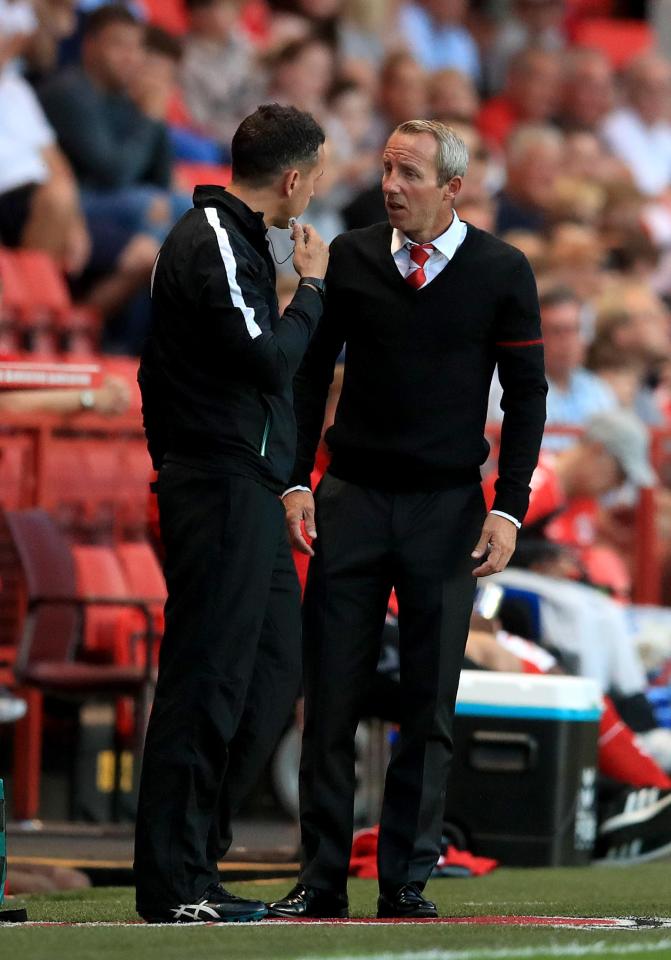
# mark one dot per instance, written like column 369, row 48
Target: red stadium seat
column 37, row 310
column 97, row 573
column 16, row 470
column 189, row 175
column 49, row 656
column 169, row 14
column 619, row 40
column 13, row 301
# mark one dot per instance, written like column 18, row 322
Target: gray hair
column 452, row 156
column 529, row 136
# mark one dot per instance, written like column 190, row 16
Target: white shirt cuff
column 498, row 513
column 291, row 490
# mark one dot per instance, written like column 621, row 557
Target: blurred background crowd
column 110, row 114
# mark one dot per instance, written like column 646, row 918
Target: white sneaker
column 11, row 708
column 657, row 743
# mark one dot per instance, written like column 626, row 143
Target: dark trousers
column 229, row 674
column 368, row 542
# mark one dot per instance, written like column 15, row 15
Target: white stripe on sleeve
column 230, row 265
column 153, row 275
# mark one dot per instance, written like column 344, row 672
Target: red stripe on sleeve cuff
column 518, row 343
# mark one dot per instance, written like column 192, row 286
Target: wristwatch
column 316, row 282
column 87, row 400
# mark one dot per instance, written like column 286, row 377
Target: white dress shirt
column 645, row 149
column 445, row 246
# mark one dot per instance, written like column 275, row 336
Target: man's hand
column 300, row 515
column 495, row 546
column 112, row 397
column 311, row 254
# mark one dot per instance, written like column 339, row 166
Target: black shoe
column 216, row 905
column 304, row 902
column 635, row 827
column 407, row 902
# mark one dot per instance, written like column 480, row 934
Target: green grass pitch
column 635, row 891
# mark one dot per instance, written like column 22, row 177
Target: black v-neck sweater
column 418, row 368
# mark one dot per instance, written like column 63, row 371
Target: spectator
column 587, row 90
column 110, row 399
column 533, row 246
column 120, row 154
column 157, row 92
column 591, row 628
column 574, row 393
column 452, row 96
column 18, row 24
column 621, row 372
column 56, row 22
column 575, row 255
column 301, row 74
column 221, row 79
column 39, row 200
column 436, row 36
column 632, row 321
column 587, row 158
column 530, row 96
column 530, row 23
column 110, row 141
column 402, row 96
column 353, row 28
column 568, row 487
column 403, row 92
column 350, row 130
column 534, row 157
column 639, row 132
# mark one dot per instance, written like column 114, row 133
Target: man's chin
column 396, row 216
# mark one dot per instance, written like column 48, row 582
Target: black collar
column 208, row 195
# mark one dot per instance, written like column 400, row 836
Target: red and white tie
column 419, row 254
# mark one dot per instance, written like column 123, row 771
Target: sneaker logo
column 196, row 912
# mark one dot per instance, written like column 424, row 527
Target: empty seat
column 48, row 659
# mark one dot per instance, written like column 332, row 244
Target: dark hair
column 157, row 40
column 200, row 4
column 295, row 49
column 271, row 140
column 557, row 295
column 341, row 87
column 103, row 17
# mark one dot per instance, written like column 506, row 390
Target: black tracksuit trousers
column 368, row 542
column 229, row 673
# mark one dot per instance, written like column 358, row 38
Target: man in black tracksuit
column 215, row 377
column 427, row 306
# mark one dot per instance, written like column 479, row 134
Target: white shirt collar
column 447, row 243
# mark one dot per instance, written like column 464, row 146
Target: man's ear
column 290, row 181
column 452, row 188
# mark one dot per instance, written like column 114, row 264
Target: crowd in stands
column 109, row 113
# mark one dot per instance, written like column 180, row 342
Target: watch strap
column 317, row 282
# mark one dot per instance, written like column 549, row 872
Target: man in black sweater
column 216, row 378
column 427, row 305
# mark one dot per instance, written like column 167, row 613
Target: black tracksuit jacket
column 216, row 371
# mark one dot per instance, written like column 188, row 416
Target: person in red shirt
column 531, row 95
column 566, row 488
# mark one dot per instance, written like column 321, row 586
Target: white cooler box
column 523, row 782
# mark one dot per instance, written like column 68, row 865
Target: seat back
column 51, row 630
column 169, row 14
column 620, row 40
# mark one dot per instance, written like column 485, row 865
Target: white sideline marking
column 598, row 949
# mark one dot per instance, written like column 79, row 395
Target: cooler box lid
column 531, row 696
